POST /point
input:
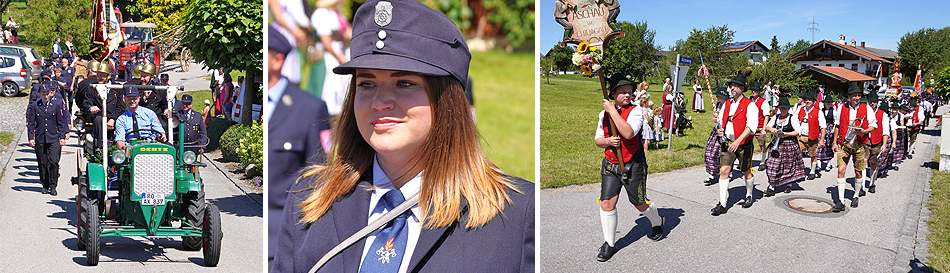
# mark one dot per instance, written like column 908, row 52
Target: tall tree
column 790, row 48
column 708, row 43
column 924, row 49
column 633, row 54
column 774, row 47
column 228, row 34
column 561, row 57
column 42, row 21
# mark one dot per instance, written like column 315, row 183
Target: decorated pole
column 705, row 72
column 591, row 23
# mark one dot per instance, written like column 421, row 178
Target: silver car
column 15, row 75
column 32, row 58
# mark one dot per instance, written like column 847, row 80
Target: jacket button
column 288, row 146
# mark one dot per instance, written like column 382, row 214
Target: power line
column 813, row 29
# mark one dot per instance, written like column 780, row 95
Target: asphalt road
column 40, row 230
column 768, row 237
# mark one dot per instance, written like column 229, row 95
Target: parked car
column 32, row 58
column 238, row 104
column 15, row 74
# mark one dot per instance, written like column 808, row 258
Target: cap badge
column 384, row 13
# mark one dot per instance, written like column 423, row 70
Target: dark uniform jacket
column 504, row 244
column 46, row 122
column 86, row 95
column 154, row 101
column 293, row 141
column 195, row 130
column 114, row 104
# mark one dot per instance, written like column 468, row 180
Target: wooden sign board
column 589, row 20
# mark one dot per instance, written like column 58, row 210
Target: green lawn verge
column 939, row 223
column 6, row 138
column 504, row 108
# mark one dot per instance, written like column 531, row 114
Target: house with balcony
column 871, row 62
column 758, row 53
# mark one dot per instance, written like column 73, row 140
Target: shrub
column 216, row 130
column 251, row 146
column 230, row 142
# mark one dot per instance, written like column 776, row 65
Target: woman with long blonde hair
column 405, row 131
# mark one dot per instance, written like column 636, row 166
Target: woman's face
column 393, row 111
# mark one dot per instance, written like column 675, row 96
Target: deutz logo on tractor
column 153, row 149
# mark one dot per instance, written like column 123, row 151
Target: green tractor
column 143, row 190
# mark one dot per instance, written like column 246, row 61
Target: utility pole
column 812, row 27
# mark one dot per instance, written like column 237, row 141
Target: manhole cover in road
column 809, row 205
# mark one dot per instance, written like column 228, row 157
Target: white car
column 238, row 105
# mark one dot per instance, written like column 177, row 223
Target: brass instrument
column 773, row 151
column 852, row 133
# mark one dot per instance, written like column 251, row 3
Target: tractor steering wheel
column 151, row 136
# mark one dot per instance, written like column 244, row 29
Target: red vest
column 844, row 123
column 627, row 146
column 813, row 130
column 878, row 135
column 738, row 119
column 914, row 118
column 758, row 105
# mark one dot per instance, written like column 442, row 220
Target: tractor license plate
column 153, row 199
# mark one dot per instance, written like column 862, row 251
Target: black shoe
column 748, row 202
column 788, row 189
column 52, row 191
column 761, row 167
column 769, row 192
column 838, row 207
column 862, row 193
column 719, row 210
column 910, row 157
column 712, row 181
column 871, row 189
column 606, row 251
column 896, row 169
column 854, row 202
column 45, row 190
column 811, row 176
column 657, row 233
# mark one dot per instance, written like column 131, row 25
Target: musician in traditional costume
column 825, row 153
column 813, row 131
column 784, row 164
column 886, row 157
column 713, row 144
column 632, row 176
column 877, row 142
column 764, row 111
column 853, row 123
column 739, row 118
column 915, row 120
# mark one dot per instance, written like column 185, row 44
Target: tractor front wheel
column 194, row 207
column 212, row 230
column 92, row 243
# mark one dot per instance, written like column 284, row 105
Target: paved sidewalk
column 886, row 233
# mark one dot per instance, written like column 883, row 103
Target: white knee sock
column 608, row 219
column 841, row 183
column 723, row 191
column 813, row 165
column 749, row 185
column 652, row 214
column 858, row 186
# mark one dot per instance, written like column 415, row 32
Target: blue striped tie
column 385, row 255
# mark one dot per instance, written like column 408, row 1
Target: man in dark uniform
column 291, row 146
column 151, row 99
column 163, row 80
column 68, row 77
column 195, row 132
column 130, row 71
column 92, row 104
column 47, row 130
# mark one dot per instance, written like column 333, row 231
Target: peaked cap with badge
column 395, row 41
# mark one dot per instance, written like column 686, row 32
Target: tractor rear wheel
column 212, row 242
column 92, row 243
column 194, row 208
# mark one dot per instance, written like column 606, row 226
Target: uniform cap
column 277, row 42
column 406, row 36
column 186, row 98
column 131, row 91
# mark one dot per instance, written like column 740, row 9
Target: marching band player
column 849, row 146
column 739, row 118
column 813, row 131
column 713, row 145
column 785, row 165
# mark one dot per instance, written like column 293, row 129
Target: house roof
column 853, row 50
column 883, row 53
column 840, row 73
column 741, row 46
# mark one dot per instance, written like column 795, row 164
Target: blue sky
column 877, row 23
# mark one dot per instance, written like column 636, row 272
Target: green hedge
column 216, row 130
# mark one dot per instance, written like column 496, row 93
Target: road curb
column 244, row 188
column 913, row 246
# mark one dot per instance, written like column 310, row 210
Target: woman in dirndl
column 713, row 146
column 784, row 164
column 825, row 154
column 698, row 103
column 885, row 158
column 901, row 139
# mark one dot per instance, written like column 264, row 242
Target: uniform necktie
column 135, row 125
column 388, row 249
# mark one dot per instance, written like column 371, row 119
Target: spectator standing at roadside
column 70, row 51
column 334, row 33
column 57, row 49
column 13, row 26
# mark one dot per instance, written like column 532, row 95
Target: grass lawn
column 6, row 138
column 504, row 109
column 939, row 223
column 569, row 108
column 198, row 98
